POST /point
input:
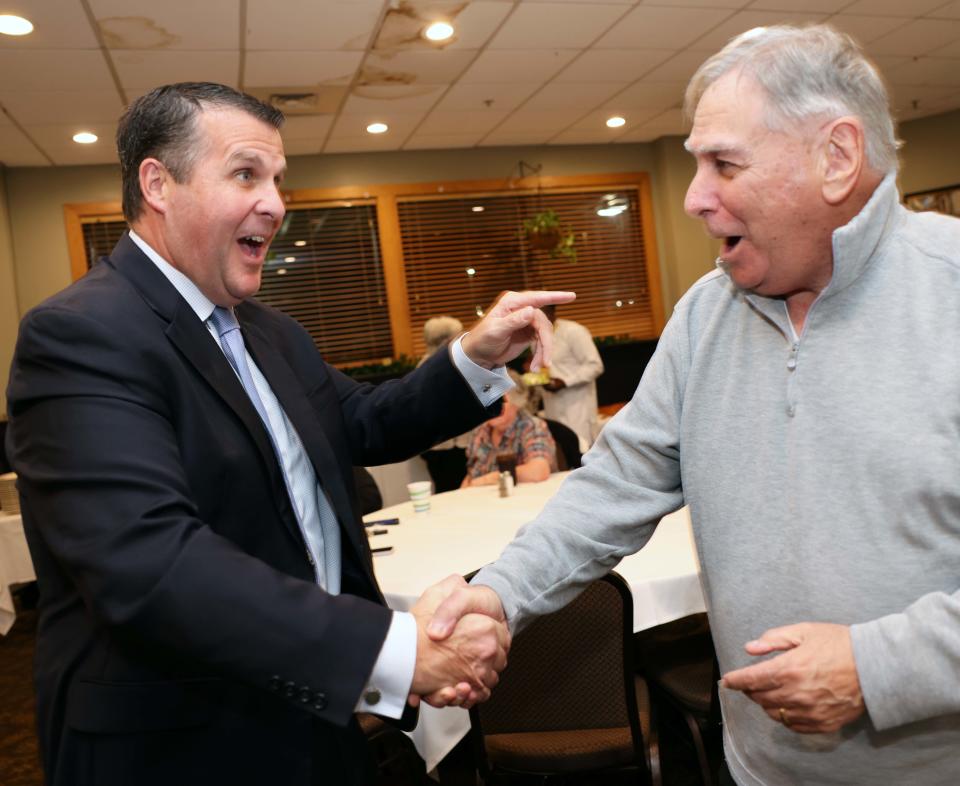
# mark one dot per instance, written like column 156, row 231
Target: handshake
column 462, row 644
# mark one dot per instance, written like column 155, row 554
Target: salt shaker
column 506, row 484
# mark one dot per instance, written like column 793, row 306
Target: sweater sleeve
column 898, row 689
column 608, row 508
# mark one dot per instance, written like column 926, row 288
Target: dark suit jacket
column 181, row 637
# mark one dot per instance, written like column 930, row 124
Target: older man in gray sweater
column 805, row 402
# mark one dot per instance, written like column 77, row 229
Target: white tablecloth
column 16, row 566
column 468, row 528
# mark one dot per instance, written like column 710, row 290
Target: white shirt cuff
column 387, row 689
column 488, row 385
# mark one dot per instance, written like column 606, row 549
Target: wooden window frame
column 385, row 197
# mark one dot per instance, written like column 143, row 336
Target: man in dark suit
column 208, row 609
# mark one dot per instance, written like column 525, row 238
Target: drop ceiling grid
column 504, row 80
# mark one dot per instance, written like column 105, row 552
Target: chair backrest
column 572, row 669
column 568, row 444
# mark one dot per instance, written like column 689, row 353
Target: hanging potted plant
column 544, row 232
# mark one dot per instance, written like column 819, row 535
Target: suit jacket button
column 372, row 696
column 320, row 701
column 289, row 689
column 305, row 695
column 275, row 682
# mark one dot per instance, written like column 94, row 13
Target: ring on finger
column 783, row 717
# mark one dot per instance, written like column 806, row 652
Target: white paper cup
column 420, row 495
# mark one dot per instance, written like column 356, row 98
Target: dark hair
column 162, row 124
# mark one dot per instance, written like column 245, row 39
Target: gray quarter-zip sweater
column 822, row 473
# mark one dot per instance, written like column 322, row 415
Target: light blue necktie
column 326, row 542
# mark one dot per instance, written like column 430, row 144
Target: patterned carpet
column 19, row 758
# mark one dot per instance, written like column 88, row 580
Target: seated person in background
column 446, row 461
column 516, row 431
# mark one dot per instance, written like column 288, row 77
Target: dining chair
column 569, row 700
column 680, row 665
column 568, row 445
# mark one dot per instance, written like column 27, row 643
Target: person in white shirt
column 570, row 396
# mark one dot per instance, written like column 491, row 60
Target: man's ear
column 155, row 180
column 843, row 159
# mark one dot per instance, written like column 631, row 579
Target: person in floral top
column 513, row 430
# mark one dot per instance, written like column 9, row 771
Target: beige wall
column 930, row 157
column 33, row 249
column 9, row 310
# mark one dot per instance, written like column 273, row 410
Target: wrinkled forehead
column 730, row 113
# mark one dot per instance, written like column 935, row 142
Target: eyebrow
column 247, row 157
column 715, row 149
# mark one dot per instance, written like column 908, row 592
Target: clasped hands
column 462, row 644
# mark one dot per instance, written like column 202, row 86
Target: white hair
column 438, row 331
column 808, row 72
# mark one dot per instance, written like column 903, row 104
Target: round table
column 468, row 528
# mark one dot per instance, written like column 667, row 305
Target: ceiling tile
column 139, row 68
column 440, row 141
column 477, row 22
column 935, row 71
column 732, row 5
column 679, row 68
column 916, row 38
column 364, row 144
column 580, row 138
column 17, row 150
column 461, row 122
column 401, row 126
column 669, row 123
column 583, row 95
column 299, row 128
column 811, row 6
column 550, row 121
column 717, row 38
column 613, row 65
column 950, row 50
column 906, row 96
column 647, row 95
column 650, row 27
column 56, row 141
column 146, row 24
column 515, row 139
column 265, row 69
column 393, row 99
column 506, row 96
column 427, row 67
column 84, row 106
column 597, row 121
column 302, row 147
column 57, row 24
column 893, row 7
column 560, row 25
column 309, row 24
column 60, row 69
column 535, row 65
column 866, row 28
column 949, row 11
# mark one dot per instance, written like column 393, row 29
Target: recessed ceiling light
column 478, row 208
column 289, row 259
column 438, row 31
column 299, row 243
column 377, row 128
column 85, row 138
column 15, row 25
column 281, row 271
column 615, row 122
column 471, row 271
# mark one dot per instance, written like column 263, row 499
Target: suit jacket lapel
column 290, row 394
column 195, row 343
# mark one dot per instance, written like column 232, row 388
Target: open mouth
column 730, row 242
column 253, row 245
